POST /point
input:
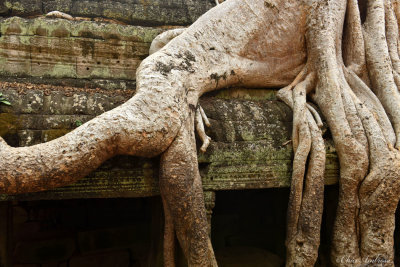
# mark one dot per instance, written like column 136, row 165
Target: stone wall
column 58, row 48
column 138, row 12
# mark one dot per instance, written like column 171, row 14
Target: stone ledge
column 155, row 12
column 58, row 48
column 250, row 148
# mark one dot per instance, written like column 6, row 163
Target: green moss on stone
column 14, row 6
column 65, row 28
column 9, row 123
column 48, row 135
column 61, row 70
column 247, row 94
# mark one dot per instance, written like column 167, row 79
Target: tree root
column 200, row 116
column 306, row 193
column 201, row 119
column 164, row 38
column 59, row 15
column 169, row 236
column 182, row 193
column 361, row 125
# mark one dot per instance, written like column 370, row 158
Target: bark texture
column 340, row 56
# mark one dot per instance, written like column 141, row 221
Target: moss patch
column 48, row 135
column 247, row 94
column 9, row 124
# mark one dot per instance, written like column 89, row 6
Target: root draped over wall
column 322, row 54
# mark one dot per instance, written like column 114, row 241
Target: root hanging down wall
column 324, row 54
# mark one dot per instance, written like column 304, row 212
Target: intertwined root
column 365, row 125
column 362, row 193
column 306, row 195
column 164, row 38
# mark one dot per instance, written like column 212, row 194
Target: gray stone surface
column 58, row 48
column 155, row 12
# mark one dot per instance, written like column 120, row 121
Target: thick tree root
column 200, row 117
column 378, row 197
column 164, row 38
column 169, row 236
column 182, row 193
column 362, row 132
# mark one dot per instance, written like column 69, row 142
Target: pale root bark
column 348, row 68
column 59, row 15
column 200, row 117
column 307, row 187
column 364, row 225
column 181, row 189
column 164, row 38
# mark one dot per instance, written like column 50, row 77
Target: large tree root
column 369, row 186
column 182, row 193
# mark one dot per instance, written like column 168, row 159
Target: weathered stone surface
column 25, row 7
column 57, row 103
column 48, row 135
column 29, row 137
column 72, row 49
column 9, row 123
column 97, row 104
column 155, row 12
column 54, row 84
column 30, row 102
